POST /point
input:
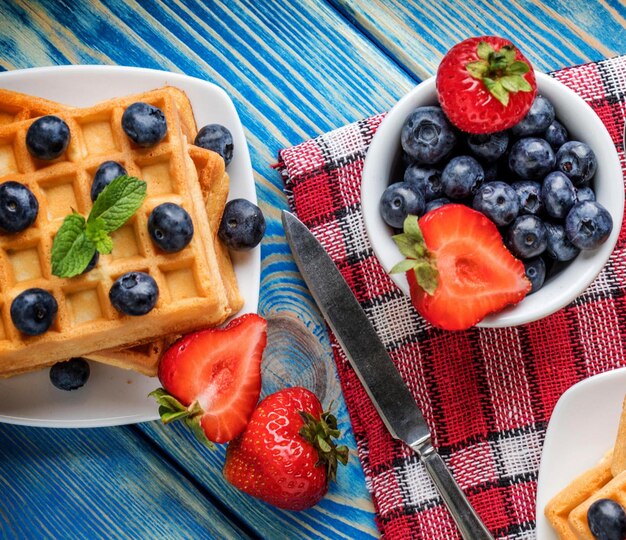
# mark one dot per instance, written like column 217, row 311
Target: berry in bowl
column 491, row 193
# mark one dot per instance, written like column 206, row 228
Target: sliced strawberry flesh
column 220, row 370
column 477, row 274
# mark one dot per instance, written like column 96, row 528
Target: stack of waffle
column 197, row 285
column 567, row 511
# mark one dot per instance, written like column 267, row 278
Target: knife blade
column 375, row 369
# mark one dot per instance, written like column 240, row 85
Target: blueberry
column 531, row 158
column 436, row 203
column 426, row 179
column 537, row 119
column 427, row 136
column 71, row 374
column 498, row 201
column 106, row 173
column 170, row 227
column 33, row 311
column 242, row 226
column 607, row 520
column 529, row 196
column 488, row 146
column 588, row 224
column 491, row 171
column 145, row 124
column 535, row 272
column 92, row 263
column 559, row 247
column 47, row 137
column 217, row 138
column 555, row 135
column 462, row 176
column 558, row 194
column 578, row 161
column 526, row 237
column 398, row 201
column 134, row 293
column 585, row 194
column 18, row 207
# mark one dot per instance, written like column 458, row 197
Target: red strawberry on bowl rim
column 485, row 84
column 212, row 378
column 286, row 455
column 458, row 268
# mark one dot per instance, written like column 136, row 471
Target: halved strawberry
column 212, row 378
column 485, row 84
column 458, row 268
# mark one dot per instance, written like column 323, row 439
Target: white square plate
column 114, row 396
column 582, row 428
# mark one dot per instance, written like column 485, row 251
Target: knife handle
column 466, row 518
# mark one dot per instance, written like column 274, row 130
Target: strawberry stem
column 500, row 72
column 319, row 433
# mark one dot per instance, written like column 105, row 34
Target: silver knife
column 375, row 369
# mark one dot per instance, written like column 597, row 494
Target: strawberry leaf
column 194, row 424
column 403, row 266
column 508, row 54
column 484, row 50
column 517, row 68
column 427, row 277
column 478, row 69
column 497, row 90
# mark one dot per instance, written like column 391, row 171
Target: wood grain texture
column 98, row 483
column 294, row 70
column 552, row 34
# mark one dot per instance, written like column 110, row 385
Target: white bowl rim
column 578, row 275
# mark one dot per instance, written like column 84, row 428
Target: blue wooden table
column 294, row 69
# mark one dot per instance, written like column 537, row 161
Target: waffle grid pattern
column 59, row 186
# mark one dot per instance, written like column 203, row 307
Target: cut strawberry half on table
column 485, row 84
column 212, row 378
column 459, row 270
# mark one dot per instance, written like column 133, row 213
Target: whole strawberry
column 485, row 84
column 286, row 455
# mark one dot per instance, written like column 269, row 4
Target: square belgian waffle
column 214, row 183
column 192, row 293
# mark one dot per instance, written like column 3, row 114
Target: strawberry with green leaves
column 485, row 84
column 212, row 378
column 459, row 270
column 286, row 456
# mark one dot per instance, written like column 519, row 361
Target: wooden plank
column 552, row 34
column 293, row 71
column 98, row 483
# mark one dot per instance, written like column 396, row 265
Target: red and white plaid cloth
column 487, row 394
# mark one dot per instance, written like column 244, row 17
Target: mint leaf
column 71, row 249
column 96, row 232
column 118, row 202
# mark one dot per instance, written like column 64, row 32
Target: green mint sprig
column 418, row 258
column 78, row 239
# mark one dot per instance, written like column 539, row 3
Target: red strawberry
column 485, row 84
column 458, row 269
column 286, row 456
column 212, row 378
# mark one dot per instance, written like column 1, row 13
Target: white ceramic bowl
column 582, row 124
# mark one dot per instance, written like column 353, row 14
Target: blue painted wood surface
column 294, row 69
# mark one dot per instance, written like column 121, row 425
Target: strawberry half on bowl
column 514, row 145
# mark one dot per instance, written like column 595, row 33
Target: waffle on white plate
column 197, row 285
column 567, row 510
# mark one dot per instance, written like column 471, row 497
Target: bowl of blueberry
column 491, row 193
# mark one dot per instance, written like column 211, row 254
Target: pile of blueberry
column 534, row 183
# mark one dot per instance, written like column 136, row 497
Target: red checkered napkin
column 487, row 394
